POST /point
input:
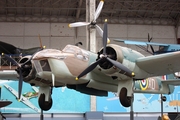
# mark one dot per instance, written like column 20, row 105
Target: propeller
column 105, row 57
column 93, row 22
column 20, row 68
column 149, row 40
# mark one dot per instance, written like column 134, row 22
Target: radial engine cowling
column 114, row 52
column 28, row 70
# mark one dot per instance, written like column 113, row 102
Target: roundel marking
column 144, row 84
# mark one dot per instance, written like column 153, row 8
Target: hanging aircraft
column 24, row 99
column 114, row 68
column 163, row 48
column 11, row 49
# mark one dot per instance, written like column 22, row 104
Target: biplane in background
column 162, row 47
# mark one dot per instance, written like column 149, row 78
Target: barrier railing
column 6, row 65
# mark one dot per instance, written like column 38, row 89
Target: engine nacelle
column 114, row 53
column 28, row 70
column 121, row 55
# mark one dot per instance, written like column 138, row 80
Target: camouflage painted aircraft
column 114, row 69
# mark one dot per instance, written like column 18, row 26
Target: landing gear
column 44, row 105
column 124, row 99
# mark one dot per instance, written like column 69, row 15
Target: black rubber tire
column 43, row 104
column 123, row 98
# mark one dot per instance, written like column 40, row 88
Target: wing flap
column 161, row 64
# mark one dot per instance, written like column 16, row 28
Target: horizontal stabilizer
column 174, row 82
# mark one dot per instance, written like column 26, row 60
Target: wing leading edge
column 134, row 42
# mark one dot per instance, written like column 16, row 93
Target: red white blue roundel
column 144, row 84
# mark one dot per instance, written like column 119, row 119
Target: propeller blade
column 11, row 60
column 105, row 37
column 98, row 10
column 79, row 24
column 152, row 49
column 89, row 69
column 40, row 41
column 100, row 31
column 124, row 69
column 20, row 84
column 148, row 37
column 149, row 40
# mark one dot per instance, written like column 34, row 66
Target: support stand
column 2, row 116
column 41, row 116
column 131, row 111
column 132, row 99
column 161, row 107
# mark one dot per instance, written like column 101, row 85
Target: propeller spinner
column 105, row 57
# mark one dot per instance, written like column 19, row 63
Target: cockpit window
column 78, row 52
column 69, row 49
column 161, row 48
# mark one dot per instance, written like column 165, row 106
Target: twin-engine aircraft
column 113, row 68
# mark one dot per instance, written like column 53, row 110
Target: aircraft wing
column 134, row 42
column 161, row 64
column 7, row 48
column 23, row 99
column 8, row 75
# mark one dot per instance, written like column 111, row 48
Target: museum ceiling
column 146, row 12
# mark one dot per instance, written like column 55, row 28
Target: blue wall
column 64, row 100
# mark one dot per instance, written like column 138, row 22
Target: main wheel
column 124, row 99
column 44, row 105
